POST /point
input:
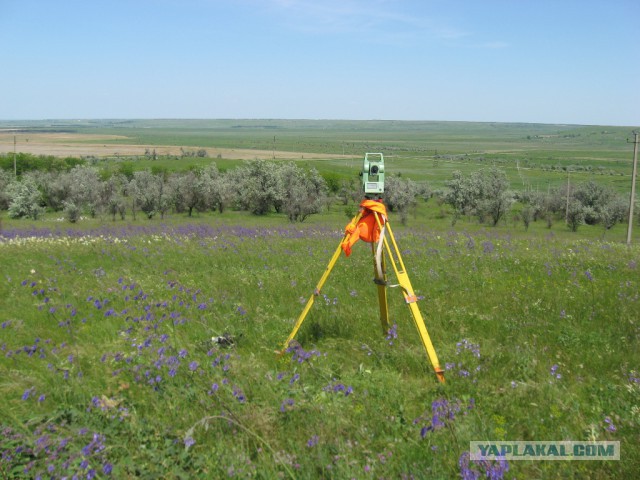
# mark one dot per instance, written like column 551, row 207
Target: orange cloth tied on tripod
column 367, row 228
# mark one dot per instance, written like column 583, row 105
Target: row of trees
column 264, row 186
column 485, row 194
column 258, row 187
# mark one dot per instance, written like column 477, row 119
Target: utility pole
column 633, row 185
column 566, row 213
column 15, row 165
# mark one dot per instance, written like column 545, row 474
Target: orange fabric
column 367, row 228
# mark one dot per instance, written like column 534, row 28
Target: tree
column 595, row 198
column 484, row 193
column 400, row 195
column 301, row 193
column 208, row 184
column 527, row 216
column 257, row 187
column 616, row 210
column 26, row 199
column 112, row 195
column 147, row 190
column 191, row 190
column 462, row 195
column 495, row 199
column 349, row 190
column 165, row 196
column 5, row 180
column 71, row 212
column 575, row 215
column 84, row 188
column 225, row 192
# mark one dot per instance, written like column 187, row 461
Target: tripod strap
column 379, row 253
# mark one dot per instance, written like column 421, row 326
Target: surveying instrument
column 372, row 225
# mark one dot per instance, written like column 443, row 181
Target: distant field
column 534, row 155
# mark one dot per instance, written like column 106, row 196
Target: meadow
column 110, row 367
column 147, row 348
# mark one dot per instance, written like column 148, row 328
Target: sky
column 532, row 61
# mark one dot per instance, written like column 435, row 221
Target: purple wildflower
column 300, row 355
column 465, row 344
column 27, row 393
column 392, row 334
column 287, row 402
column 476, row 469
column 239, row 394
column 610, row 426
column 487, row 247
column 442, row 413
column 312, row 442
column 337, row 387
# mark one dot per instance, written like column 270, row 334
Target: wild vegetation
column 149, row 351
column 146, row 347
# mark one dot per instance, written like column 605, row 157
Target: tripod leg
column 319, row 286
column 380, row 279
column 411, row 299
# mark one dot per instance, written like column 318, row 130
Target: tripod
column 371, row 225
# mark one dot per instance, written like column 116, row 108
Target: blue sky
column 560, row 61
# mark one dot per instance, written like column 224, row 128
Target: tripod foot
column 440, row 375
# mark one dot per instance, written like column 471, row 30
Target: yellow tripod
column 380, row 279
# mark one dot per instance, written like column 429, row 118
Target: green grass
column 85, row 318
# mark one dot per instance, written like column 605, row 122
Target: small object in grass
column 224, row 340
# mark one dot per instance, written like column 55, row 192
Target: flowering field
column 149, row 353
